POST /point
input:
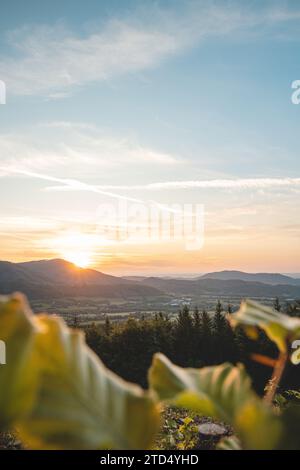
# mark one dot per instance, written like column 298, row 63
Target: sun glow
column 78, row 248
column 82, row 260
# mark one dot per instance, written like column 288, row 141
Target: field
column 87, row 310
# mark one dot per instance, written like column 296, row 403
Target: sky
column 125, row 119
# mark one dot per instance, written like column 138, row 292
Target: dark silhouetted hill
column 57, row 278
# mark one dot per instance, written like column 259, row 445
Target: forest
column 194, row 339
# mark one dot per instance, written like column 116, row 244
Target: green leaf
column 80, row 404
column 18, row 377
column 280, row 328
column 222, row 392
column 229, row 443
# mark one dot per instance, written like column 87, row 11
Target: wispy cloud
column 51, row 60
column 74, row 185
column 75, row 149
column 238, row 183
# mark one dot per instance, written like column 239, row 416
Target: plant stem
column 276, row 377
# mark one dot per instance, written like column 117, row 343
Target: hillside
column 57, row 278
column 266, row 278
column 222, row 287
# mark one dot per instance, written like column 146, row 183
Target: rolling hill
column 57, row 278
column 222, row 287
column 266, row 278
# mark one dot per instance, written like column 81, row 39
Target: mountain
column 222, row 287
column 134, row 278
column 58, row 278
column 266, row 278
column 64, row 272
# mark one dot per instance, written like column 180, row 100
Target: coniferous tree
column 162, row 334
column 242, row 345
column 207, row 337
column 276, row 305
column 196, row 318
column 219, row 308
column 218, row 328
column 229, row 309
column 107, row 326
column 197, row 339
column 223, row 337
column 133, row 350
column 293, row 309
column 129, row 348
column 183, row 335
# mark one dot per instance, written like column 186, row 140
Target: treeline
column 193, row 339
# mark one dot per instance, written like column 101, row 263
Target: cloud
column 72, row 184
column 238, row 183
column 51, row 60
column 67, row 153
column 74, row 149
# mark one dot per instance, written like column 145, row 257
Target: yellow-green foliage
column 57, row 392
column 59, row 395
column 280, row 328
column 222, row 392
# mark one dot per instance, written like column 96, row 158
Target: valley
column 84, row 296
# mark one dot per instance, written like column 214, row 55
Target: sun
column 77, row 248
column 82, row 260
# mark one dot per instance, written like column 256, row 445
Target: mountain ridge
column 59, row 277
column 223, row 287
column 266, row 278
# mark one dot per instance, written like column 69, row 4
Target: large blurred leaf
column 18, row 377
column 229, row 443
column 82, row 405
column 280, row 328
column 222, row 392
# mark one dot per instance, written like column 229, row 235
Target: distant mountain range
column 58, row 278
column 235, row 283
column 222, row 287
column 266, row 278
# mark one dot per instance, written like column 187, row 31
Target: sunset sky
column 150, row 103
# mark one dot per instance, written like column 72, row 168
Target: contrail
column 241, row 183
column 69, row 183
column 76, row 185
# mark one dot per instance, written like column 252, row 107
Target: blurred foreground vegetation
column 55, row 393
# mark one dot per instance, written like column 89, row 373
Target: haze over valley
column 58, row 286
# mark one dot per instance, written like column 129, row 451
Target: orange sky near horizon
column 152, row 106
column 243, row 251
